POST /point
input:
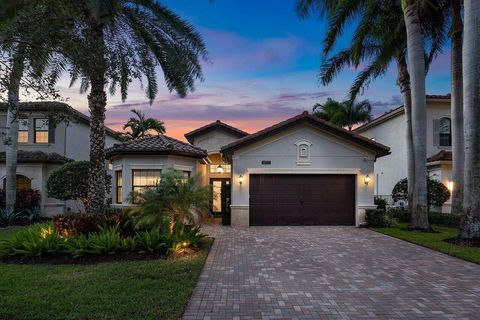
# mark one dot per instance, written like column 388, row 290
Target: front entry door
column 220, row 195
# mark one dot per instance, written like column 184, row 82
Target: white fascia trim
column 181, row 167
column 367, row 206
column 141, row 166
column 305, row 170
column 118, row 167
column 239, row 206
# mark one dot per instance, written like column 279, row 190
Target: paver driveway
column 330, row 273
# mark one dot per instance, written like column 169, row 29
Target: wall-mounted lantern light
column 450, row 185
column 240, row 179
column 219, row 169
column 367, row 179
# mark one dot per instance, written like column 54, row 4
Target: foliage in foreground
column 435, row 241
column 437, row 192
column 130, row 290
column 43, row 240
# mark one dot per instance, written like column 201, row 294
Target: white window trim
column 180, row 167
column 303, row 160
column 146, row 166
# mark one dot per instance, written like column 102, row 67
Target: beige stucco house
column 302, row 171
column 50, row 134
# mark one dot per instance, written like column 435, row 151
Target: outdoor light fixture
column 240, row 179
column 450, row 185
column 219, row 169
column 367, row 179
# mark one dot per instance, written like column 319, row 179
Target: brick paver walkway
column 330, row 273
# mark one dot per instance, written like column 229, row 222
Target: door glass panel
column 217, row 196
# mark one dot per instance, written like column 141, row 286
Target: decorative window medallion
column 303, row 152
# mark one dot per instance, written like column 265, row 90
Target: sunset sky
column 264, row 64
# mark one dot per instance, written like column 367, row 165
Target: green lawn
column 434, row 241
column 122, row 290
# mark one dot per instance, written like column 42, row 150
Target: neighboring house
column 50, row 134
column 302, row 171
column 390, row 129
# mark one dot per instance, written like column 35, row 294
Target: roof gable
column 306, row 118
column 217, row 125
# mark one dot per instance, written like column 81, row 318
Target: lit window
column 143, row 179
column 22, row 183
column 226, row 168
column 23, row 131
column 41, row 131
column 445, row 132
column 119, row 179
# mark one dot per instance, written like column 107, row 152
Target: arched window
column 445, row 132
column 22, row 182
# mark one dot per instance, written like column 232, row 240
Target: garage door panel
column 302, row 199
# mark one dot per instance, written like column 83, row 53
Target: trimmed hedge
column 377, row 218
column 435, row 218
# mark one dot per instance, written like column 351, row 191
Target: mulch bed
column 471, row 243
column 67, row 259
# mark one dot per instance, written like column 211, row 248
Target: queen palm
column 141, row 126
column 379, row 39
column 470, row 224
column 344, row 114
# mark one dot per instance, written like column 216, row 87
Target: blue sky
column 264, row 64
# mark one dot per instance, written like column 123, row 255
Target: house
column 301, row 171
column 390, row 129
column 50, row 134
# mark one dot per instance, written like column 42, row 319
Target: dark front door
column 220, row 195
column 302, row 199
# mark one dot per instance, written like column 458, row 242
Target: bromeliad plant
column 175, row 198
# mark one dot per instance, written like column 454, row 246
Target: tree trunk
column 11, row 139
column 416, row 63
column 403, row 81
column 470, row 224
column 458, row 147
column 97, row 101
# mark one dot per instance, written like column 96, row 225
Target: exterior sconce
column 367, row 179
column 450, row 186
column 219, row 169
column 240, row 179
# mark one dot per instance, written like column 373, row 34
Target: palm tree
column 140, row 126
column 26, row 35
column 470, row 224
column 416, row 61
column 458, row 146
column 379, row 39
column 116, row 42
column 344, row 114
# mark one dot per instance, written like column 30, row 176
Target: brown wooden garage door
column 302, row 199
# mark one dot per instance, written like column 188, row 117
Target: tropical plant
column 379, row 38
column 470, row 225
column 8, row 216
column 70, row 182
column 344, row 114
column 141, row 126
column 437, row 193
column 173, row 199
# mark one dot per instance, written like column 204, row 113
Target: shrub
column 381, row 203
column 121, row 220
column 26, row 199
column 76, row 223
column 399, row 214
column 377, row 218
column 36, row 240
column 150, row 241
column 437, row 192
column 70, row 181
column 8, row 217
column 105, row 242
column 444, row 219
column 184, row 236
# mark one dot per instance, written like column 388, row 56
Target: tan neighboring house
column 390, row 129
column 50, row 134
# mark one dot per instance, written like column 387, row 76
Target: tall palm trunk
column 416, row 62
column 470, row 225
column 403, row 81
column 11, row 139
column 458, row 147
column 97, row 101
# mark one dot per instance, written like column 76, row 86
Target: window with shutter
column 445, row 132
